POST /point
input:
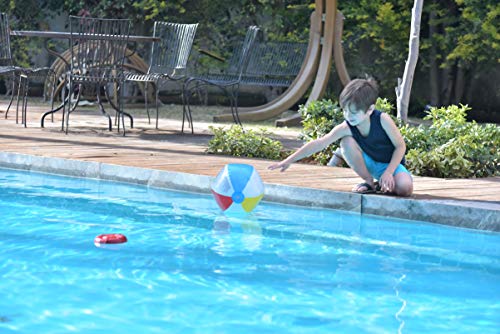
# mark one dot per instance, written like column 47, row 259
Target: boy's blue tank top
column 377, row 144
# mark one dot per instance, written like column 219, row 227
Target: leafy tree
column 459, row 38
column 376, row 38
column 221, row 20
column 468, row 43
column 28, row 15
column 459, row 45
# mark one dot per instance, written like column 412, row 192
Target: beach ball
column 238, row 187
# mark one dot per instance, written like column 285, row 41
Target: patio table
column 47, row 35
column 67, row 35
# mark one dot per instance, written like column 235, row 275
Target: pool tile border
column 454, row 213
column 449, row 212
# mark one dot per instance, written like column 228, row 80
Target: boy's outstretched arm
column 387, row 180
column 314, row 146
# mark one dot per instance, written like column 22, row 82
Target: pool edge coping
column 445, row 212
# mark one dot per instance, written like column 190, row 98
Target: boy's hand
column 387, row 182
column 281, row 165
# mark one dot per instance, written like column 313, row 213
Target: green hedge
column 446, row 146
column 238, row 142
column 451, row 146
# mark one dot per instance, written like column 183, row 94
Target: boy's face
column 354, row 115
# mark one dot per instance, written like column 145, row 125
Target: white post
column 403, row 90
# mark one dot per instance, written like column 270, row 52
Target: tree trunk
column 403, row 90
column 459, row 85
column 471, row 85
column 448, row 84
column 434, row 85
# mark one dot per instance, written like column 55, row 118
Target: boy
column 371, row 143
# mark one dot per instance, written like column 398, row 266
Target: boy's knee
column 348, row 144
column 404, row 185
column 404, row 191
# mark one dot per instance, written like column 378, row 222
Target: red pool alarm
column 114, row 238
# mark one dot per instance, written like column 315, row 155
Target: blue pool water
column 189, row 269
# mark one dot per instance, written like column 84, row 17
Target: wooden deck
column 167, row 149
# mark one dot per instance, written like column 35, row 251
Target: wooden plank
column 100, row 145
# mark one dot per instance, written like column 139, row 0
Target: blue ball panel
column 239, row 174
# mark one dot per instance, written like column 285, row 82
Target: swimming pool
column 189, row 269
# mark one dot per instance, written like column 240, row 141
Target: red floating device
column 114, row 238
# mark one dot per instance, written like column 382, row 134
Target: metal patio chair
column 98, row 51
column 168, row 60
column 20, row 75
column 228, row 82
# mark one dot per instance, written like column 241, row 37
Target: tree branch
column 403, row 90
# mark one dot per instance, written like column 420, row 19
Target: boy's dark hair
column 361, row 93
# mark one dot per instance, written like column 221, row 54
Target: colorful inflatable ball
column 238, row 187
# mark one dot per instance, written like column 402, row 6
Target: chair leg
column 67, row 122
column 53, row 75
column 13, row 89
column 71, row 94
column 235, row 96
column 122, row 117
column 183, row 97
column 101, row 108
column 185, row 102
column 75, row 104
column 121, row 106
column 118, row 106
column 232, row 104
column 66, row 125
column 117, row 114
column 190, row 119
column 157, row 99
column 63, row 97
column 146, row 94
column 186, row 108
column 17, row 102
column 118, row 119
column 24, row 118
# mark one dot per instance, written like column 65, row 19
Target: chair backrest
column 98, row 46
column 171, row 54
column 244, row 55
column 276, row 59
column 5, row 54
